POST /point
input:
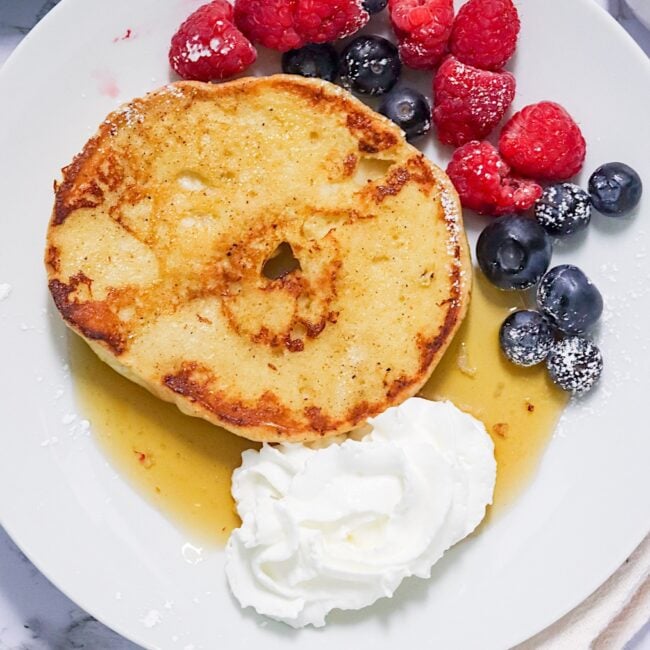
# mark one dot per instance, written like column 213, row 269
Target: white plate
column 102, row 544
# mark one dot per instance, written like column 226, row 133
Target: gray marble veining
column 34, row 615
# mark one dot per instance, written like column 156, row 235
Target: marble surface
column 35, row 615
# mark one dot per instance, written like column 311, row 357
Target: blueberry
column 321, row 61
column 513, row 252
column 615, row 189
column 370, row 65
column 575, row 364
column 409, row 109
column 569, row 299
column 563, row 209
column 526, row 337
column 374, row 6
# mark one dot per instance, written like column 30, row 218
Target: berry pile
column 540, row 148
column 514, row 253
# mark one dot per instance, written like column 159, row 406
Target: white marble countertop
column 35, row 615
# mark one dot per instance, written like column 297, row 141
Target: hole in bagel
column 281, row 263
column 371, row 169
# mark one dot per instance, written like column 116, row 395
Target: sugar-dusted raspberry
column 543, row 142
column 484, row 184
column 485, row 33
column 422, row 28
column 289, row 24
column 208, row 46
column 468, row 102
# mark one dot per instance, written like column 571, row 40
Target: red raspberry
column 422, row 28
column 483, row 181
column 485, row 33
column 289, row 24
column 542, row 141
column 208, row 46
column 468, row 102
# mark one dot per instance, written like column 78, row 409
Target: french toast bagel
column 167, row 226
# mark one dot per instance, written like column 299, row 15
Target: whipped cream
column 341, row 526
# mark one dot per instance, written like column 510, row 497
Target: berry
column 208, row 46
column 409, row 109
column 526, row 337
column 569, row 299
column 422, row 28
column 513, row 252
column 615, row 189
column 485, row 33
column 289, row 24
column 483, row 181
column 374, row 6
column 542, row 141
column 575, row 364
column 563, row 209
column 321, row 61
column 468, row 102
column 370, row 65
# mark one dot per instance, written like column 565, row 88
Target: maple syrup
column 183, row 464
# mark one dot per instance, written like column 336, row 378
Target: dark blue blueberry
column 374, row 6
column 409, row 109
column 575, row 364
column 320, row 61
column 615, row 189
column 569, row 299
column 526, row 337
column 563, row 209
column 513, row 252
column 370, row 65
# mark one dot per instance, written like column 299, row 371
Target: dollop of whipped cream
column 341, row 526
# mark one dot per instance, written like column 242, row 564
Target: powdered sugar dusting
column 5, row 291
column 195, row 50
column 452, row 221
column 151, row 618
column 132, row 114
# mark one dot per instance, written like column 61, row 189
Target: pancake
column 269, row 254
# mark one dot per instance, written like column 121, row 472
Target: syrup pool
column 183, row 465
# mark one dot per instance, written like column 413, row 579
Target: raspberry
column 422, row 28
column 485, row 33
column 208, row 46
column 542, row 141
column 468, row 102
column 289, row 24
column 483, row 181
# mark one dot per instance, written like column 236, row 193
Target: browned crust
column 371, row 138
column 350, row 164
column 268, row 418
column 198, row 384
column 94, row 319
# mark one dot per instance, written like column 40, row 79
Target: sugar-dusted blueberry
column 615, row 189
column 409, row 109
column 569, row 298
column 315, row 60
column 563, row 209
column 575, row 364
column 514, row 252
column 370, row 65
column 526, row 337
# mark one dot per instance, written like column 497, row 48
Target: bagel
column 269, row 254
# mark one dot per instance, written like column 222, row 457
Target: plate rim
column 633, row 49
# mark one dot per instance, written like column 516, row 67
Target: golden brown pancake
column 269, row 254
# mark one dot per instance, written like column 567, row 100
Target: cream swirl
column 341, row 526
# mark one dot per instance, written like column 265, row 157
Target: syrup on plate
column 183, row 465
